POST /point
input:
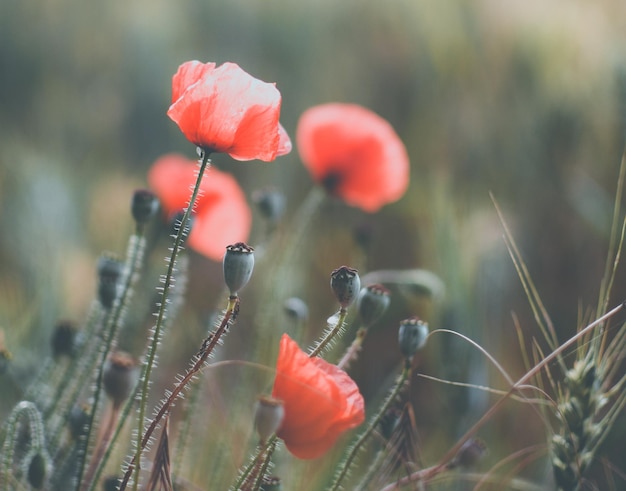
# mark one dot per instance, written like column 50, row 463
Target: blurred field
column 525, row 100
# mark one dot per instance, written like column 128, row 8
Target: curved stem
column 330, row 334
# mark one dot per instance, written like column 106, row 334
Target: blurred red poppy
column 321, row 401
column 225, row 109
column 222, row 215
column 354, row 154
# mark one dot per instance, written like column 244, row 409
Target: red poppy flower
column 222, row 215
column 354, row 153
column 321, row 401
column 225, row 109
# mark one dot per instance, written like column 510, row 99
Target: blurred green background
column 525, row 100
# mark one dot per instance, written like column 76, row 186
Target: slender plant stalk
column 207, row 348
column 330, row 334
column 353, row 350
column 136, row 247
column 344, row 467
column 165, row 291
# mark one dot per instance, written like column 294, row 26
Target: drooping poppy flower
column 321, row 401
column 354, row 154
column 221, row 213
column 225, row 109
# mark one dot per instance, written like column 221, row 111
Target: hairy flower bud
column 37, row 471
column 345, row 283
column 372, row 303
column 144, row 206
column 120, row 376
column 238, row 265
column 412, row 336
column 270, row 203
column 110, row 271
column 63, row 339
column 268, row 416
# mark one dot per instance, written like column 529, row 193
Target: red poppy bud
column 238, row 265
column 321, row 401
column 224, row 109
column 412, row 336
column 354, row 154
column 345, row 283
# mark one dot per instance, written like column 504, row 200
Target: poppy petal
column 354, row 153
column 321, row 401
column 187, row 74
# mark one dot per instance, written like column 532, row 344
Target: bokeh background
column 523, row 100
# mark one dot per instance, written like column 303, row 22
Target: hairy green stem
column 330, row 334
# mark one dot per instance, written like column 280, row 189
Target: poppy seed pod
column 268, row 416
column 78, row 421
column 144, row 206
column 345, row 283
column 270, row 203
column 372, row 303
column 119, row 377
column 110, row 271
column 412, row 336
column 296, row 309
column 63, row 339
column 238, row 265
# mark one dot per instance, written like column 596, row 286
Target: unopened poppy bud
column 345, row 283
column 63, row 339
column 37, row 470
column 270, row 203
column 238, row 265
column 372, row 303
column 78, row 422
column 176, row 221
column 268, row 416
column 412, row 336
column 296, row 309
column 110, row 271
column 144, row 206
column 120, row 377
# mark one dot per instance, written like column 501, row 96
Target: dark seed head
column 110, row 270
column 345, row 283
column 270, row 203
column 144, row 206
column 119, row 377
column 37, row 470
column 78, row 421
column 63, row 339
column 412, row 336
column 372, row 303
column 238, row 265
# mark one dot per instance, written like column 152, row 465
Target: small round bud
column 268, row 416
column 412, row 336
column 120, row 377
column 144, row 206
column 63, row 339
column 372, row 303
column 238, row 265
column 296, row 309
column 270, row 203
column 110, row 271
column 345, row 283
column 78, row 421
column 37, row 470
